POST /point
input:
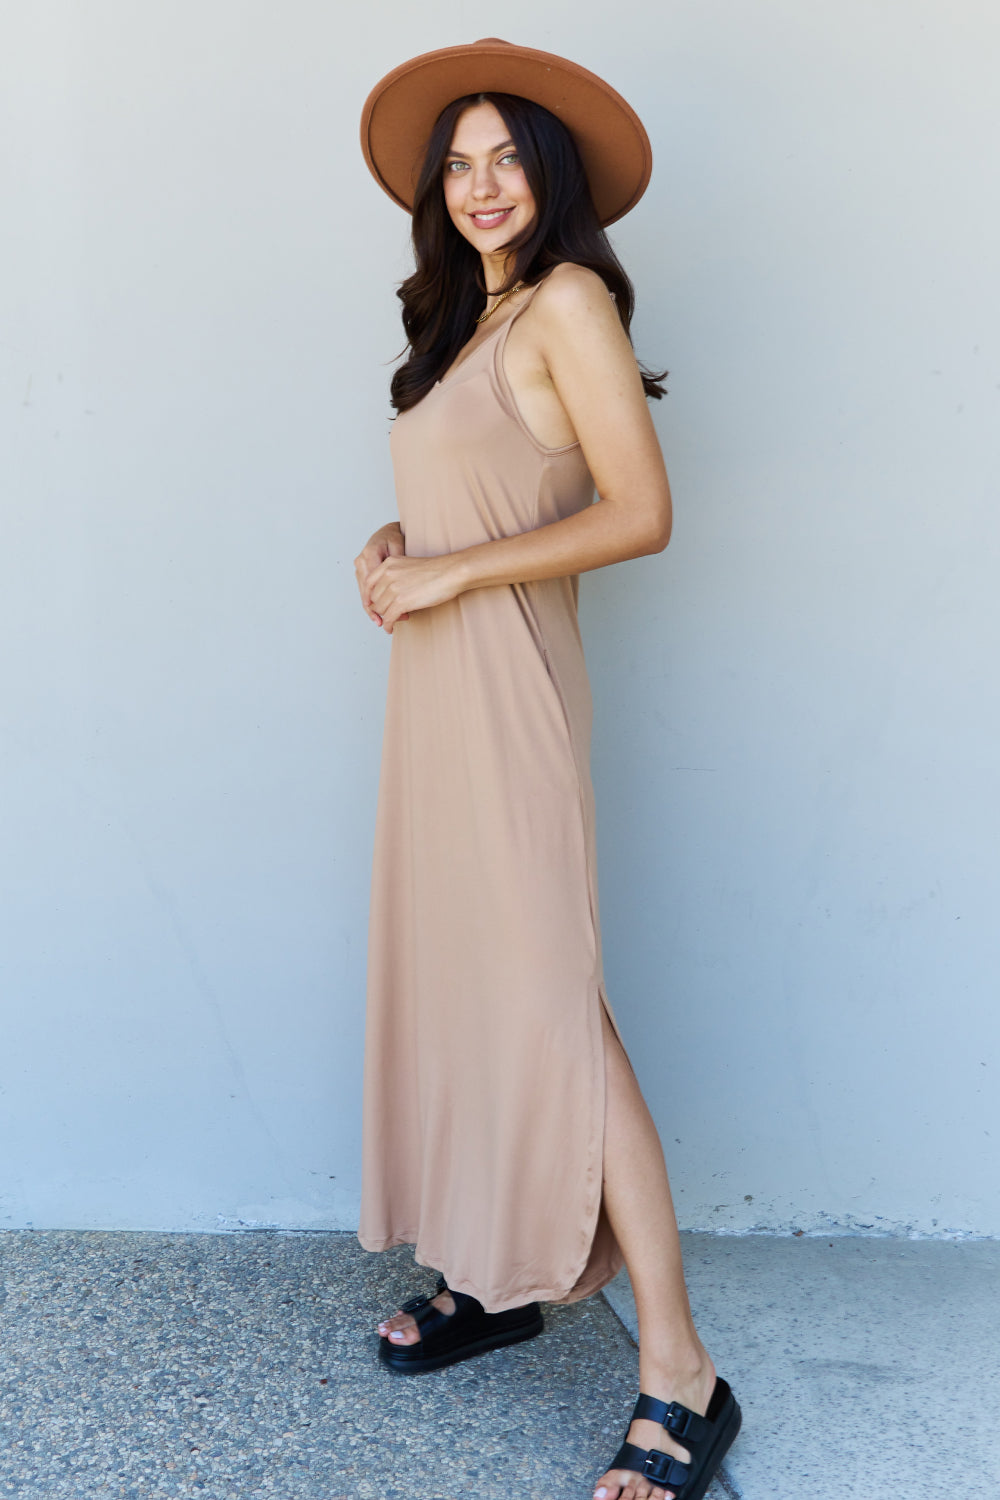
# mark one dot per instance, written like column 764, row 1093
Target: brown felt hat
column 400, row 112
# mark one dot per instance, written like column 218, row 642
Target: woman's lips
column 487, row 218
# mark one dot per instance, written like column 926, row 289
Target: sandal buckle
column 677, row 1420
column 414, row 1304
column 657, row 1466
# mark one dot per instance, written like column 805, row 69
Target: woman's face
column 485, row 189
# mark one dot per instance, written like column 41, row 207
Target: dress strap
column 503, row 387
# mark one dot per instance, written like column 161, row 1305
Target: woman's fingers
column 387, row 542
column 361, row 573
column 385, row 590
column 384, row 544
column 368, row 604
column 400, row 585
column 387, row 624
column 367, row 560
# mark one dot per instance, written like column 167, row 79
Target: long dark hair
column 445, row 293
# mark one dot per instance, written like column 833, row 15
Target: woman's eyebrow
column 491, row 152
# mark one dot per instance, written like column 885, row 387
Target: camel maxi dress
column 484, row 1053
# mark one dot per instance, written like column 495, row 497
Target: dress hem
column 577, row 1284
column 503, row 1303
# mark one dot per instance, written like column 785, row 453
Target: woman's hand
column 401, row 584
column 388, row 541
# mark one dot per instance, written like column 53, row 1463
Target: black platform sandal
column 707, row 1439
column 446, row 1338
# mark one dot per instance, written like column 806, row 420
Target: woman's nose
column 484, row 184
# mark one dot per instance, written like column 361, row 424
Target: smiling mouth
column 487, row 219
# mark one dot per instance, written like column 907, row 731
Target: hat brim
column 400, row 112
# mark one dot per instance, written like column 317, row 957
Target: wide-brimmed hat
column 400, row 112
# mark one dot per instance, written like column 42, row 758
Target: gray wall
column 795, row 756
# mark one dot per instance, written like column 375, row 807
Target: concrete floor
column 864, row 1367
column 227, row 1367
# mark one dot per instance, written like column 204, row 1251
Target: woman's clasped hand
column 400, row 584
column 391, row 584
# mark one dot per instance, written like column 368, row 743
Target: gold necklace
column 502, row 298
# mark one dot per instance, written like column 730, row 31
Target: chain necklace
column 502, row 298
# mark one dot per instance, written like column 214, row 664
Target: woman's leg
column 673, row 1362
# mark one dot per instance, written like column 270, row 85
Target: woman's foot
column 692, row 1389
column 402, row 1328
column 429, row 1333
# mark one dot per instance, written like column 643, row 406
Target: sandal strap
column 463, row 1302
column 682, row 1423
column 661, row 1468
column 415, row 1303
column 430, row 1319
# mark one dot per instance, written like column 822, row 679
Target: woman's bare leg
column 673, row 1362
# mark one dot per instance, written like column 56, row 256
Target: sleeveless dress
column 484, row 1092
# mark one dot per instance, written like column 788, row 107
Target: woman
column 505, row 1134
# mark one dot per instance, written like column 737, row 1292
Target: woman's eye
column 512, row 157
column 457, row 166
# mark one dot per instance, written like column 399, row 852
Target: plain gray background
column 797, row 721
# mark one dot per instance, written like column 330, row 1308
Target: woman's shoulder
column 569, row 290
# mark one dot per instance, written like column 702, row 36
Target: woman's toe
column 609, row 1489
column 408, row 1335
column 399, row 1329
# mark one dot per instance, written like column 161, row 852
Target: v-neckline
column 453, row 369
